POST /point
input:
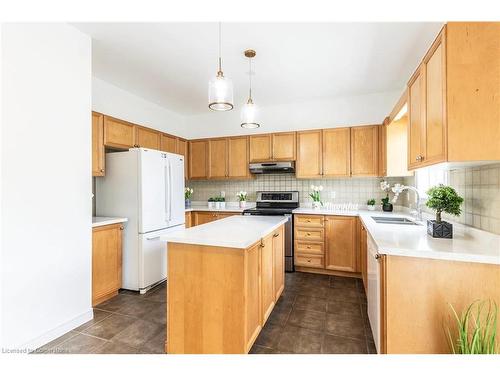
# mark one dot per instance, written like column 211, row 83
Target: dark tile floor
column 315, row 314
column 129, row 323
column 318, row 314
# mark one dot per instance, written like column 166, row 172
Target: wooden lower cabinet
column 415, row 297
column 326, row 244
column 188, row 217
column 106, row 262
column 341, row 243
column 203, row 217
column 222, row 303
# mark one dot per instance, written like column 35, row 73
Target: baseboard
column 58, row 331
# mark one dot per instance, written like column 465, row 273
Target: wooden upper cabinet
column 364, row 151
column 260, row 147
column 337, row 152
column 168, row 143
column 341, row 243
column 309, row 154
column 198, row 159
column 147, row 138
column 98, row 158
column 237, row 150
column 434, row 136
column 182, row 149
column 415, row 119
column 382, row 150
column 118, row 134
column 217, row 158
column 283, row 146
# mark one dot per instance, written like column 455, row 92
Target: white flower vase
column 243, row 204
column 217, row 205
column 316, row 205
column 222, row 205
column 371, row 207
column 211, row 204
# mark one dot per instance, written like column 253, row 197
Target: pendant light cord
column 250, row 77
column 220, row 46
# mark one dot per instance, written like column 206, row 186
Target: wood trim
column 323, row 271
column 403, row 99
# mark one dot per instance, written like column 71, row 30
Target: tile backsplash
column 480, row 188
column 346, row 190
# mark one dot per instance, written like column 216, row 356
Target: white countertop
column 99, row 221
column 467, row 245
column 230, row 207
column 236, row 231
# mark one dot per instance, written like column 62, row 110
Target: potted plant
column 475, row 329
column 187, row 196
column 315, row 196
column 211, row 202
column 371, row 204
column 386, row 205
column 242, row 198
column 217, row 203
column 442, row 198
column 222, row 202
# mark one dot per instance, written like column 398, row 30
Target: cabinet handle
column 308, row 247
column 121, row 227
column 308, row 234
column 276, row 234
column 377, row 256
column 309, row 261
column 102, row 170
column 262, row 244
column 308, row 220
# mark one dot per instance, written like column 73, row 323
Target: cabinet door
column 198, row 159
column 168, row 143
column 364, row 151
column 337, row 152
column 106, row 261
column 267, row 277
column 340, row 243
column 203, row 217
column 279, row 262
column 182, row 149
column 382, row 150
column 97, row 144
column 309, row 154
column 118, row 134
column 238, row 157
column 252, row 295
column 435, row 119
column 415, row 119
column 187, row 217
column 217, row 158
column 260, row 148
column 147, row 138
column 283, row 146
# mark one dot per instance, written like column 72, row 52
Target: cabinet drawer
column 309, row 221
column 312, row 261
column 309, row 247
column 309, row 234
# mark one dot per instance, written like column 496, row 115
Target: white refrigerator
column 147, row 187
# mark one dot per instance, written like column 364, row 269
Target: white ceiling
column 170, row 63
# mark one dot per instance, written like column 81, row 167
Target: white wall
column 116, row 102
column 46, row 182
column 325, row 113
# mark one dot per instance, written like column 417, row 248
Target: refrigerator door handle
column 167, row 195
column 170, row 183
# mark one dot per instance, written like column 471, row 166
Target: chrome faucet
column 397, row 189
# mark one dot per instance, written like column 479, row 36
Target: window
column 428, row 177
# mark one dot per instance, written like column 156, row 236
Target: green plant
column 385, row 200
column 371, row 202
column 211, row 199
column 242, row 196
column 188, row 192
column 444, row 199
column 315, row 195
column 476, row 329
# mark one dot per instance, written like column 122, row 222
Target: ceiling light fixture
column 249, row 111
column 220, row 88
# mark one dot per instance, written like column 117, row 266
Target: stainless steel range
column 272, row 203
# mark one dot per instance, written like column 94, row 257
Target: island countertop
column 236, row 231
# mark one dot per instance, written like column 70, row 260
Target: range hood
column 272, row 167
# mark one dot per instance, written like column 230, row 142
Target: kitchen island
column 224, row 279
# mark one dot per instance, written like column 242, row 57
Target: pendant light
column 220, row 88
column 249, row 111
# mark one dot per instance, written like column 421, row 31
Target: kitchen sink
column 393, row 220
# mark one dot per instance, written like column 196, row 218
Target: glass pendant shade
column 220, row 93
column 249, row 114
